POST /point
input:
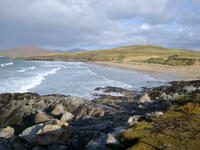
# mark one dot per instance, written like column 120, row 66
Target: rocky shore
column 29, row 121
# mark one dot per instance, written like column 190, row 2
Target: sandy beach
column 183, row 72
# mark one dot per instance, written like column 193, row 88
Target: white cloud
column 90, row 23
column 145, row 27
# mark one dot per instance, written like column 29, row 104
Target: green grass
column 177, row 129
column 172, row 61
column 185, row 57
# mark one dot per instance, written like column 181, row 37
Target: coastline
column 159, row 71
column 109, row 122
column 186, row 73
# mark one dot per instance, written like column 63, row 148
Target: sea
column 68, row 78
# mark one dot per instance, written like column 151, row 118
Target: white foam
column 110, row 82
column 32, row 68
column 22, row 70
column 33, row 82
column 7, row 64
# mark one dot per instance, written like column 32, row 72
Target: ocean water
column 68, row 78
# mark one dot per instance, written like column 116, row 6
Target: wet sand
column 158, row 71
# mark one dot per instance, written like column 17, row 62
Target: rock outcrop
column 29, row 121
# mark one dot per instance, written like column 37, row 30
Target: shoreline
column 186, row 73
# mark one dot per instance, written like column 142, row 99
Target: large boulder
column 46, row 133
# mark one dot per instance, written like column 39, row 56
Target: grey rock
column 97, row 143
column 67, row 116
column 30, row 134
column 46, row 133
column 189, row 88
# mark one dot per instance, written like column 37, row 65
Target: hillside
column 137, row 53
column 25, row 51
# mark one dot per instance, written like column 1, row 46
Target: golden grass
column 126, row 53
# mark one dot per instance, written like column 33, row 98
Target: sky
column 99, row 24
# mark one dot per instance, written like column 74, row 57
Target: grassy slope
column 177, row 129
column 129, row 54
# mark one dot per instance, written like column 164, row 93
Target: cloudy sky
column 99, row 24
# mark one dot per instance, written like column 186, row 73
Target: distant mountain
column 25, row 51
column 74, row 50
column 59, row 51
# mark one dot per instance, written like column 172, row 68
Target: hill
column 136, row 53
column 25, row 51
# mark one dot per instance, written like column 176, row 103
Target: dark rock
column 4, row 145
column 110, row 89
